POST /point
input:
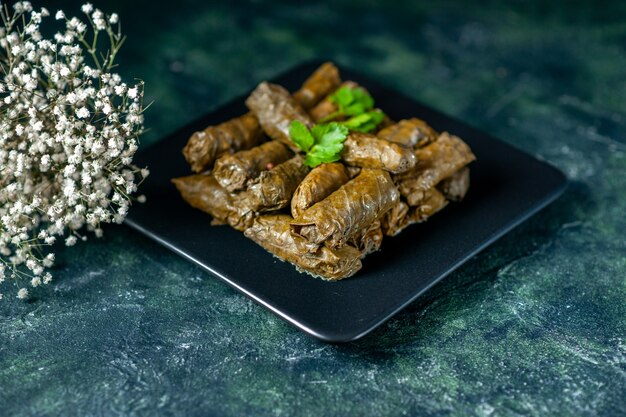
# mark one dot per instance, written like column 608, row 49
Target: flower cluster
column 69, row 129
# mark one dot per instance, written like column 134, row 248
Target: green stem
column 331, row 116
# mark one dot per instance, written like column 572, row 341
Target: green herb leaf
column 329, row 134
column 365, row 122
column 301, row 136
column 361, row 103
column 326, row 141
column 342, row 97
column 352, row 101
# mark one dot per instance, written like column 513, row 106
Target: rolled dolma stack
column 326, row 219
column 440, row 175
column 273, row 233
column 437, row 161
column 322, row 181
column 205, row 146
column 244, row 132
column 368, row 151
column 276, row 109
column 413, row 133
column 203, row 192
column 455, row 187
column 369, row 239
column 234, row 171
column 347, row 211
column 402, row 215
column 273, row 189
column 322, row 82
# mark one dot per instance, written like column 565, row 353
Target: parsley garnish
column 352, row 101
column 323, row 143
column 365, row 122
column 356, row 105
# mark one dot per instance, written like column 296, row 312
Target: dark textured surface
column 533, row 326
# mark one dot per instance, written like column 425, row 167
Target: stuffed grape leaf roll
column 409, row 132
column 322, row 82
column 244, row 132
column 436, row 162
column 401, row 216
column 202, row 191
column 368, row 151
column 369, row 239
column 317, row 185
column 273, row 233
column 350, row 209
column 276, row 109
column 204, row 147
column 455, row 187
column 272, row 190
column 234, row 171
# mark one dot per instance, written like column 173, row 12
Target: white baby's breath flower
column 120, row 89
column 132, row 92
column 82, row 113
column 71, row 169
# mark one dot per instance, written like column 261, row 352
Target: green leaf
column 352, row 101
column 362, row 96
column 301, row 136
column 356, row 121
column 314, row 159
column 365, row 122
column 342, row 97
column 329, row 140
column 354, row 109
column 323, row 143
column 329, row 134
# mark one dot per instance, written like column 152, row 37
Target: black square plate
column 508, row 186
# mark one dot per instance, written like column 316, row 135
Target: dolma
column 203, row 192
column 368, row 151
column 322, row 82
column 455, row 187
column 276, row 109
column 369, row 239
column 401, row 215
column 203, row 148
column 273, row 233
column 353, row 207
column 395, row 220
column 234, row 171
column 353, row 171
column 244, row 132
column 410, row 132
column 437, row 161
column 272, row 190
column 317, row 185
